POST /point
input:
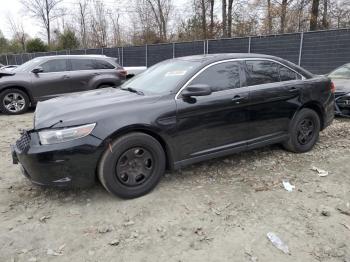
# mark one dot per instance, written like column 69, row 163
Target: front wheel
column 304, row 131
column 14, row 102
column 132, row 165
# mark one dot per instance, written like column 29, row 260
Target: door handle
column 66, row 77
column 95, row 74
column 237, row 99
column 293, row 89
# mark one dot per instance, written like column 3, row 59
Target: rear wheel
column 304, row 131
column 14, row 101
column 132, row 165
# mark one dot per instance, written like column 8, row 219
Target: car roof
column 212, row 58
column 74, row 56
column 222, row 56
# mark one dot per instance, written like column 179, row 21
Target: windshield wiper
column 130, row 89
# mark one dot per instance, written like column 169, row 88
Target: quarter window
column 100, row 64
column 56, row 65
column 220, row 77
column 261, row 72
column 90, row 64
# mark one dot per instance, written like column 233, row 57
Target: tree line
column 93, row 24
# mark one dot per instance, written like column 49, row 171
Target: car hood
column 341, row 85
column 86, row 107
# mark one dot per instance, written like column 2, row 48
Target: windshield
column 341, row 72
column 27, row 66
column 162, row 77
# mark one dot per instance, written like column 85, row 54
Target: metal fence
column 318, row 51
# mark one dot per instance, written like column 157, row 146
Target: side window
column 55, row 65
column 261, row 72
column 82, row 64
column 220, row 77
column 287, row 75
column 101, row 64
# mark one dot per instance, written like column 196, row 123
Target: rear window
column 90, row 64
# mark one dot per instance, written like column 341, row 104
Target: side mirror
column 196, row 90
column 37, row 70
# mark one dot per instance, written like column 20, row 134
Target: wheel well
column 105, row 84
column 318, row 109
column 22, row 89
column 168, row 156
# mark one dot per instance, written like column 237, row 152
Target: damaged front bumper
column 68, row 164
column 342, row 104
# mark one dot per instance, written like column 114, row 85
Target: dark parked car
column 178, row 112
column 47, row 77
column 341, row 79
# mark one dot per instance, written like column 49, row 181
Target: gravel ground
column 219, row 210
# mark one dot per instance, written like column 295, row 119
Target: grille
column 23, row 143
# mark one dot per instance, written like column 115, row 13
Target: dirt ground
column 219, row 210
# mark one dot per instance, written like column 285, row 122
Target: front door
column 216, row 122
column 52, row 81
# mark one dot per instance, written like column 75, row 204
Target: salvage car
column 179, row 112
column 46, row 77
column 8, row 67
column 341, row 79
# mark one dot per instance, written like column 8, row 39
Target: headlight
column 54, row 136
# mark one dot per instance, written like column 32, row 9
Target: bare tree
column 314, row 14
column 99, row 24
column 204, row 18
column 44, row 11
column 161, row 10
column 211, row 26
column 114, row 17
column 82, row 20
column 229, row 18
column 325, row 15
column 224, row 18
column 269, row 17
column 18, row 32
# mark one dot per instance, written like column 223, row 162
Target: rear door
column 274, row 97
column 88, row 73
column 217, row 122
column 53, row 81
column 82, row 72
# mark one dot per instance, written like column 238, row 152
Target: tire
column 304, row 131
column 14, row 101
column 132, row 165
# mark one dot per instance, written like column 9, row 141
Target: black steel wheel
column 135, row 166
column 304, row 131
column 132, row 165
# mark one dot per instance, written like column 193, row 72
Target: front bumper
column 68, row 164
column 342, row 104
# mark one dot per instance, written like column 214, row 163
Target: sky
column 15, row 9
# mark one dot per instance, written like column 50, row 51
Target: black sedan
column 341, row 79
column 178, row 112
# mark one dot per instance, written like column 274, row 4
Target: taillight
column 121, row 72
column 332, row 88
